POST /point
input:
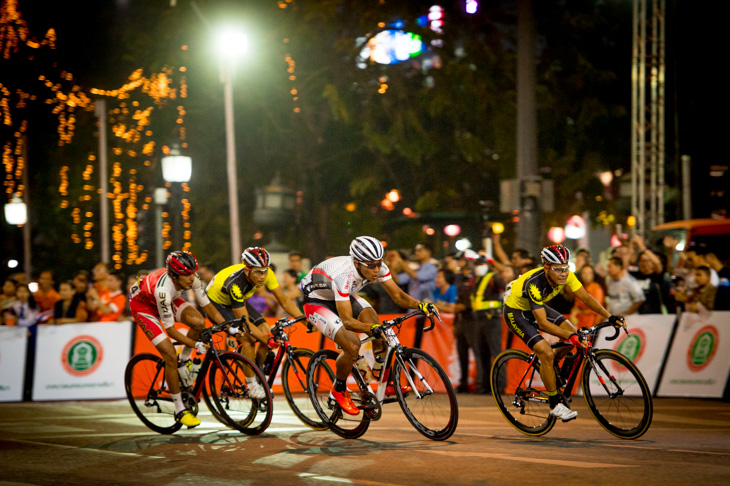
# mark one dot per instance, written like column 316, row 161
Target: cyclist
column 156, row 304
column 526, row 315
column 331, row 303
column 229, row 291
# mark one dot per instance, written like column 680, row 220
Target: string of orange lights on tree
column 135, row 105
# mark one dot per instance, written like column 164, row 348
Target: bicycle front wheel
column 425, row 394
column 320, row 378
column 231, row 396
column 148, row 393
column 520, row 394
column 617, row 395
column 294, row 382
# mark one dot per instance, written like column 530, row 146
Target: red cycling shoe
column 345, row 401
column 390, row 389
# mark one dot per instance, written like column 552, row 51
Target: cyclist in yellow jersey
column 229, row 291
column 526, row 315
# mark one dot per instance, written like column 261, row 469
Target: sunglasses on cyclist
column 261, row 272
column 560, row 269
column 371, row 266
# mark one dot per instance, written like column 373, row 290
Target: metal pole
column 528, row 228
column 686, row 188
column 100, row 110
column 653, row 113
column 26, row 227
column 642, row 118
column 660, row 129
column 226, row 79
column 635, row 112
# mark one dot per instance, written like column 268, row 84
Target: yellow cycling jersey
column 532, row 289
column 231, row 287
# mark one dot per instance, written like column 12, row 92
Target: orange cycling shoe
column 390, row 389
column 345, row 402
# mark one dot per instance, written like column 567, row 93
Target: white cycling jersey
column 338, row 279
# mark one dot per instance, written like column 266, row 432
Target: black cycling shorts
column 227, row 313
column 524, row 324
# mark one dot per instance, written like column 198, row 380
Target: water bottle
column 378, row 366
column 184, row 374
column 266, row 369
column 364, row 367
column 194, row 369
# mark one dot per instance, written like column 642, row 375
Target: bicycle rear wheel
column 320, row 378
column 294, row 382
column 148, row 393
column 624, row 407
column 229, row 393
column 520, row 393
column 431, row 405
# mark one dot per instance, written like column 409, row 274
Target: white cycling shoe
column 564, row 413
column 255, row 390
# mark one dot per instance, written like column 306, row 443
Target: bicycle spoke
column 148, row 394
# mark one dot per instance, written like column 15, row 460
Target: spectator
column 520, row 259
column 582, row 257
column 722, row 299
column 396, row 261
column 25, row 310
column 703, row 295
column 99, row 275
column 68, row 309
column 444, row 295
column 655, row 283
column 6, row 300
column 295, row 263
column 581, row 315
column 624, row 295
column 486, row 305
column 109, row 305
column 421, row 283
column 290, row 287
column 46, row 296
column 463, row 321
column 206, row 272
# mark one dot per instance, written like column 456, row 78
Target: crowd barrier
column 689, row 357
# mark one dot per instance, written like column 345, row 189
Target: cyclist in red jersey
column 331, row 303
column 156, row 303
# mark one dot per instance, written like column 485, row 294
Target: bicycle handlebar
column 398, row 320
column 206, row 335
column 598, row 327
column 285, row 322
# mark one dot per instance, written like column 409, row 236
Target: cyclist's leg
column 364, row 312
column 259, row 322
column 191, row 317
column 548, row 360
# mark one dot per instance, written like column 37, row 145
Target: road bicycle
column 613, row 388
column 221, row 381
column 294, row 373
column 429, row 402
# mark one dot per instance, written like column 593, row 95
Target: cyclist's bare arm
column 213, row 313
column 241, row 312
column 400, row 298
column 344, row 309
column 549, row 327
column 176, row 335
column 592, row 303
column 286, row 303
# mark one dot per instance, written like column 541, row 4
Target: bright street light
column 16, row 213
column 231, row 45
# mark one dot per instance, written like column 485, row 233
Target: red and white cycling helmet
column 555, row 255
column 181, row 263
column 255, row 256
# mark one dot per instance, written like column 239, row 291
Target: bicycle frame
column 287, row 349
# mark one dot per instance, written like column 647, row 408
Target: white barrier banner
column 81, row 361
column 646, row 345
column 13, row 345
column 699, row 360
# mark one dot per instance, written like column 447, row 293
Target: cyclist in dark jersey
column 526, row 315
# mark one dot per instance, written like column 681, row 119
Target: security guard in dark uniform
column 486, row 305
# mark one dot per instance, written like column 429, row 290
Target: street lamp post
column 231, row 45
column 176, row 169
column 160, row 201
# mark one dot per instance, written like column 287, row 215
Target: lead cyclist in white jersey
column 331, row 303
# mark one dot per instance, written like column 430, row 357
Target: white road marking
column 536, row 460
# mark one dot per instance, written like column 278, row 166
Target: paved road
column 103, row 442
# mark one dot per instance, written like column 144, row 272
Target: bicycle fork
column 603, row 372
column 408, row 368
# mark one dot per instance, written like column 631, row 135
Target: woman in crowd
column 581, row 315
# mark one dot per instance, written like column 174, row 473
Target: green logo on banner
column 630, row 347
column 82, row 356
column 702, row 349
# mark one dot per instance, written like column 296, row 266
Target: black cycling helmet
column 181, row 263
column 255, row 256
column 366, row 249
column 555, row 255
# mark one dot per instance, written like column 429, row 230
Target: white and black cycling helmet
column 555, row 255
column 255, row 256
column 181, row 263
column 366, row 249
